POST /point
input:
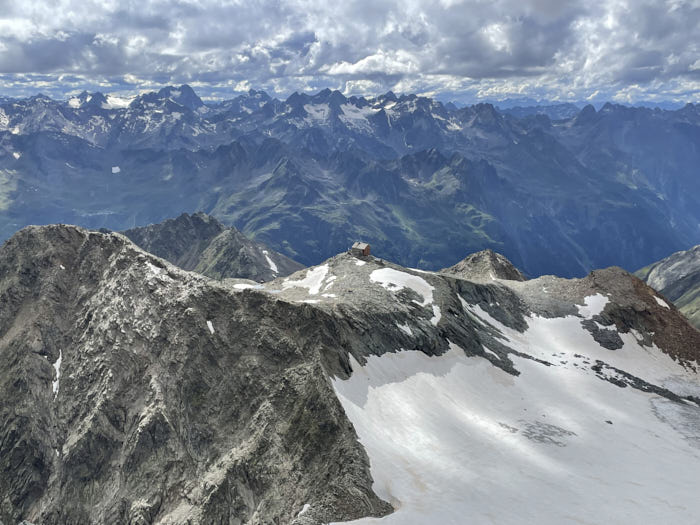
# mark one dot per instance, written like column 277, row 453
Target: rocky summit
column 136, row 392
column 486, row 264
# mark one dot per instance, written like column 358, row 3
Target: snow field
column 453, row 439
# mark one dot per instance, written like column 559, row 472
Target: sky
column 625, row 51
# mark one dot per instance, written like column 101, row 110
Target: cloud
column 464, row 49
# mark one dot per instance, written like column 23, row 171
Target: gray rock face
column 485, row 264
column 677, row 277
column 200, row 243
column 136, row 392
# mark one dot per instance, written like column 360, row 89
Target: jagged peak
column 183, row 95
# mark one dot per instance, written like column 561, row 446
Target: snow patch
column 16, row 155
column 304, row 509
column 329, row 282
column 116, row 169
column 394, row 280
column 245, row 286
column 356, row 117
column 661, row 302
column 116, row 102
column 210, row 326
column 57, row 367
column 420, row 271
column 358, row 262
column 489, row 351
column 437, row 315
column 594, row 305
column 312, row 281
column 270, row 262
column 405, row 329
column 317, row 112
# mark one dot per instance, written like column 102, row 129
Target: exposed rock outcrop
column 134, row 392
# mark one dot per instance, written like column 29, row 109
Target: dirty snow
column 270, row 262
column 57, row 367
column 210, row 326
column 312, row 281
column 395, row 280
column 662, row 302
column 454, row 439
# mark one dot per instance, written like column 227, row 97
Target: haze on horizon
column 624, row 51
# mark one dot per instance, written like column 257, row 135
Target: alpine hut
column 360, row 249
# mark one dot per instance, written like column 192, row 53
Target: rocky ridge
column 136, row 392
column 678, row 278
column 200, row 243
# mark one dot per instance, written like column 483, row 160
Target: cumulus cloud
column 593, row 49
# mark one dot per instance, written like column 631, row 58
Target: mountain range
column 423, row 182
column 136, row 392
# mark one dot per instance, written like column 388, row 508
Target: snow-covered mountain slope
column 677, row 277
column 452, row 439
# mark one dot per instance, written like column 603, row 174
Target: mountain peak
column 183, row 95
column 486, row 264
column 199, row 242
